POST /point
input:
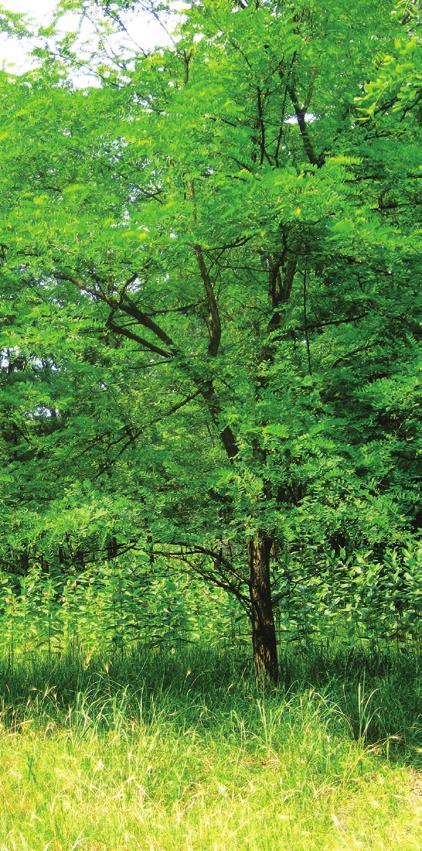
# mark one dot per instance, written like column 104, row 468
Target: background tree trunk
column 262, row 616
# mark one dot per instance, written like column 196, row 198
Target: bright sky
column 14, row 53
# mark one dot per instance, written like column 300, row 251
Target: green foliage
column 110, row 607
column 208, row 340
column 12, row 24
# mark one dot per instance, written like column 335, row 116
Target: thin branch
column 348, row 355
column 125, row 305
column 311, row 326
column 146, row 344
column 214, row 324
column 305, row 317
column 261, row 126
column 184, row 309
column 303, row 127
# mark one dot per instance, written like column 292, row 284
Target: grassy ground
column 182, row 753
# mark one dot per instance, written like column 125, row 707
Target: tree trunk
column 262, row 616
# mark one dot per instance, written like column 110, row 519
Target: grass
column 182, row 752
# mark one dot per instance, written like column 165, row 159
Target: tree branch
column 304, row 132
column 146, row 344
column 214, row 324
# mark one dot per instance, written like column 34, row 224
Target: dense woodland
column 210, row 261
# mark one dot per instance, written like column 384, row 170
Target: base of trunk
column 264, row 639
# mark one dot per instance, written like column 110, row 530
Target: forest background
column 210, row 263
column 209, row 271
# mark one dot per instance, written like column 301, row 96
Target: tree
column 222, row 257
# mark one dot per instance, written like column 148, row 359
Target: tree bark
column 264, row 639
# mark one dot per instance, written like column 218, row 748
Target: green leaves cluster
column 209, row 270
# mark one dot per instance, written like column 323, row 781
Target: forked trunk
column 262, row 616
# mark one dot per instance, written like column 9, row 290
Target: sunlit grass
column 166, row 752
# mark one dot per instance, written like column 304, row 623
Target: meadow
column 169, row 751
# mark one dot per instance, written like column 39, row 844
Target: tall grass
column 184, row 751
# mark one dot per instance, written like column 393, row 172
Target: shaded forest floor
column 184, row 751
